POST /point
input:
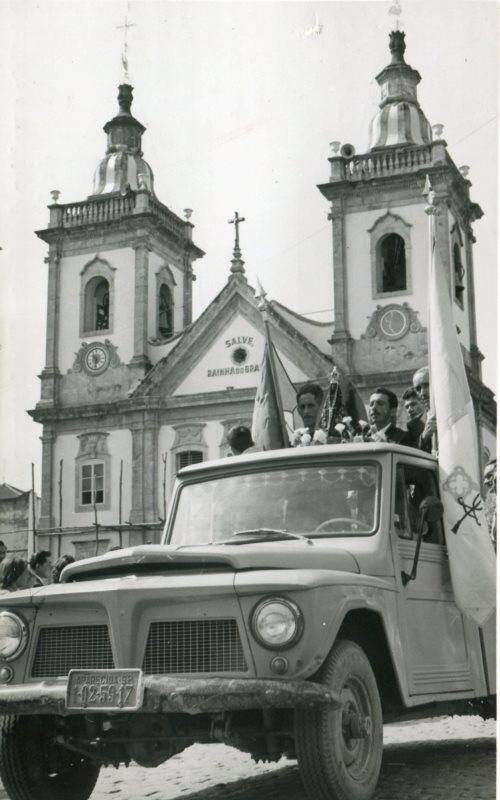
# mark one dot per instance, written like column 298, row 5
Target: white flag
column 471, row 554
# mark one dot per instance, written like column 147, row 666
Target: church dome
column 121, row 169
column 399, row 120
column 123, row 166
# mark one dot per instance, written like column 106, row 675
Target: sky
column 240, row 101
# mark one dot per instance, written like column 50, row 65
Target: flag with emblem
column 471, row 554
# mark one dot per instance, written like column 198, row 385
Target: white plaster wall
column 66, row 447
column 358, row 263
column 123, row 260
column 166, row 437
column 204, row 376
column 155, row 262
column 213, row 436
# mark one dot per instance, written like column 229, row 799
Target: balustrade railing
column 386, row 162
column 107, row 209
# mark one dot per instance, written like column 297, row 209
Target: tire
column 34, row 767
column 337, row 759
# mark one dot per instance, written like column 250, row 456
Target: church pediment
column 224, row 349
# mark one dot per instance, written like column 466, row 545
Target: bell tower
column 380, row 237
column 120, row 275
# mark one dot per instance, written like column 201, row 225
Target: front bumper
column 164, row 695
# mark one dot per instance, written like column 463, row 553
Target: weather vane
column 396, row 11
column 125, row 27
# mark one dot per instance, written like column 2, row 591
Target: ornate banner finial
column 125, row 27
column 396, row 11
column 237, row 262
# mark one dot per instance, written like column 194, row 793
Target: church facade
column 133, row 389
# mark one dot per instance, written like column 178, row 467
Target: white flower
column 298, row 434
column 305, row 439
column 340, row 428
column 363, row 424
column 320, row 437
column 347, row 421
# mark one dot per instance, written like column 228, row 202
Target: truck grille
column 77, row 647
column 211, row 645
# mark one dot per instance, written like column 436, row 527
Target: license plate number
column 104, row 689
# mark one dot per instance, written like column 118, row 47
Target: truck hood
column 267, row 554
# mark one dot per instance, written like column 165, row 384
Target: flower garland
column 346, row 429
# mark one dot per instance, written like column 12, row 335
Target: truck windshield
column 319, row 500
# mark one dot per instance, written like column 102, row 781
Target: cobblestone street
column 431, row 760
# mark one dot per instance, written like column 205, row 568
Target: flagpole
column 271, row 350
column 430, row 210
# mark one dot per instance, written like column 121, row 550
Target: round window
column 239, row 355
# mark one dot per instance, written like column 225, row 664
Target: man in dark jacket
column 416, row 412
column 382, row 412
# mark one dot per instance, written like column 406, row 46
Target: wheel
column 340, row 750
column 34, row 767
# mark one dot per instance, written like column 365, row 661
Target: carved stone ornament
column 392, row 322
column 93, row 445
column 95, row 357
column 188, row 435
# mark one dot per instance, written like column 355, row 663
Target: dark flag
column 275, row 401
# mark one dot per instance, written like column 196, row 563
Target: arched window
column 390, row 256
column 165, row 312
column 187, row 457
column 96, row 297
column 458, row 275
column 96, row 314
column 392, row 264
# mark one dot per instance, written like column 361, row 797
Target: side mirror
column 430, row 510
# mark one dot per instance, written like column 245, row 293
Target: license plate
column 104, row 689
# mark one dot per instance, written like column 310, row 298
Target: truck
column 300, row 599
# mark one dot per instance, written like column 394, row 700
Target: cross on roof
column 126, row 25
column 236, row 222
column 236, row 261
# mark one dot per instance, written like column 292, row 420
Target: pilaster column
column 50, row 373
column 150, row 471
column 140, row 358
column 137, row 510
column 145, row 470
column 340, row 310
column 46, row 512
column 475, row 354
column 442, row 234
column 187, row 295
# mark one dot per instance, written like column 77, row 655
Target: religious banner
column 471, row 554
column 275, row 401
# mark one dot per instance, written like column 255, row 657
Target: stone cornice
column 120, row 232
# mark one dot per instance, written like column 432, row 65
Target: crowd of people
column 18, row 573
column 381, row 426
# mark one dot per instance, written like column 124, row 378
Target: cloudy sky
column 240, row 101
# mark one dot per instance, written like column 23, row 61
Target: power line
column 475, row 130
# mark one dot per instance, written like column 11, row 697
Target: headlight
column 13, row 635
column 277, row 623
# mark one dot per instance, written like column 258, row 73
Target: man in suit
column 421, row 385
column 382, row 412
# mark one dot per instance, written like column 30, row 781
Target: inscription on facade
column 239, row 348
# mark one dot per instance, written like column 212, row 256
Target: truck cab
column 300, row 599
